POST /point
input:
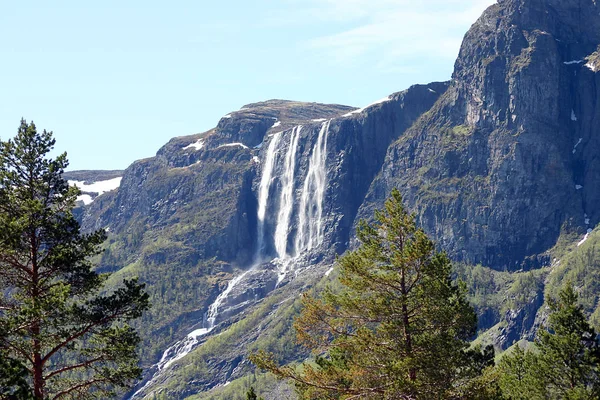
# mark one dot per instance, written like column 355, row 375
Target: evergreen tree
column 398, row 328
column 517, row 371
column 56, row 318
column 13, row 384
column 251, row 394
column 565, row 361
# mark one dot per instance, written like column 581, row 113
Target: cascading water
column 309, row 230
column 310, row 221
column 183, row 347
column 263, row 193
column 286, row 201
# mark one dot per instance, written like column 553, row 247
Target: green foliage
column 565, row 361
column 581, row 267
column 251, row 394
column 56, row 317
column 269, row 325
column 399, row 326
column 13, row 382
column 184, row 247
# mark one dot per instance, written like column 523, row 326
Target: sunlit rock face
column 506, row 157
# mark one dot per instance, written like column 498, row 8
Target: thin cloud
column 394, row 30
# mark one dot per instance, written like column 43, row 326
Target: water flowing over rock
column 270, row 223
column 263, row 193
column 286, row 199
column 310, row 216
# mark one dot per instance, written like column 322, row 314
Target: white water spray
column 286, row 201
column 263, row 193
column 183, row 347
column 309, row 232
column 310, row 221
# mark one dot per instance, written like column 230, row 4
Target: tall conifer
column 398, row 328
column 56, row 318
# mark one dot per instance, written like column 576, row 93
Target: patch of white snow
column 329, row 271
column 431, row 90
column 587, row 235
column 256, row 159
column 592, row 67
column 319, row 120
column 227, row 116
column 233, row 145
column 196, row 145
column 99, row 187
column 276, row 124
column 364, row 108
column 86, row 198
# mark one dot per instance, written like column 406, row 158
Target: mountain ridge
column 498, row 165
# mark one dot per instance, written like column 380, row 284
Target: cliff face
column 507, row 155
column 189, row 223
column 227, row 227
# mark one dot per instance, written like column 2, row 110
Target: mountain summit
column 506, row 158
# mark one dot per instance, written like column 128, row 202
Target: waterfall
column 263, row 193
column 286, row 201
column 310, row 224
column 183, row 347
column 309, row 231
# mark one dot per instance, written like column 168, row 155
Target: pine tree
column 56, row 317
column 13, row 384
column 398, row 328
column 565, row 363
column 251, row 394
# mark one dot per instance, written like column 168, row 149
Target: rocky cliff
column 227, row 227
column 507, row 156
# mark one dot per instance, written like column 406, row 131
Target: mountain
column 506, row 157
column 499, row 164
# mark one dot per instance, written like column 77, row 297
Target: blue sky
column 115, row 80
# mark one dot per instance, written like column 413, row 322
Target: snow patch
column 573, row 116
column 587, row 235
column 276, row 124
column 99, row 187
column 364, row 108
column 227, row 116
column 233, row 145
column 196, row 145
column 319, row 120
column 592, row 67
column 431, row 90
column 329, row 271
column 256, row 159
column 86, row 198
column 573, row 62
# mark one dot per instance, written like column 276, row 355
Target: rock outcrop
column 505, row 158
